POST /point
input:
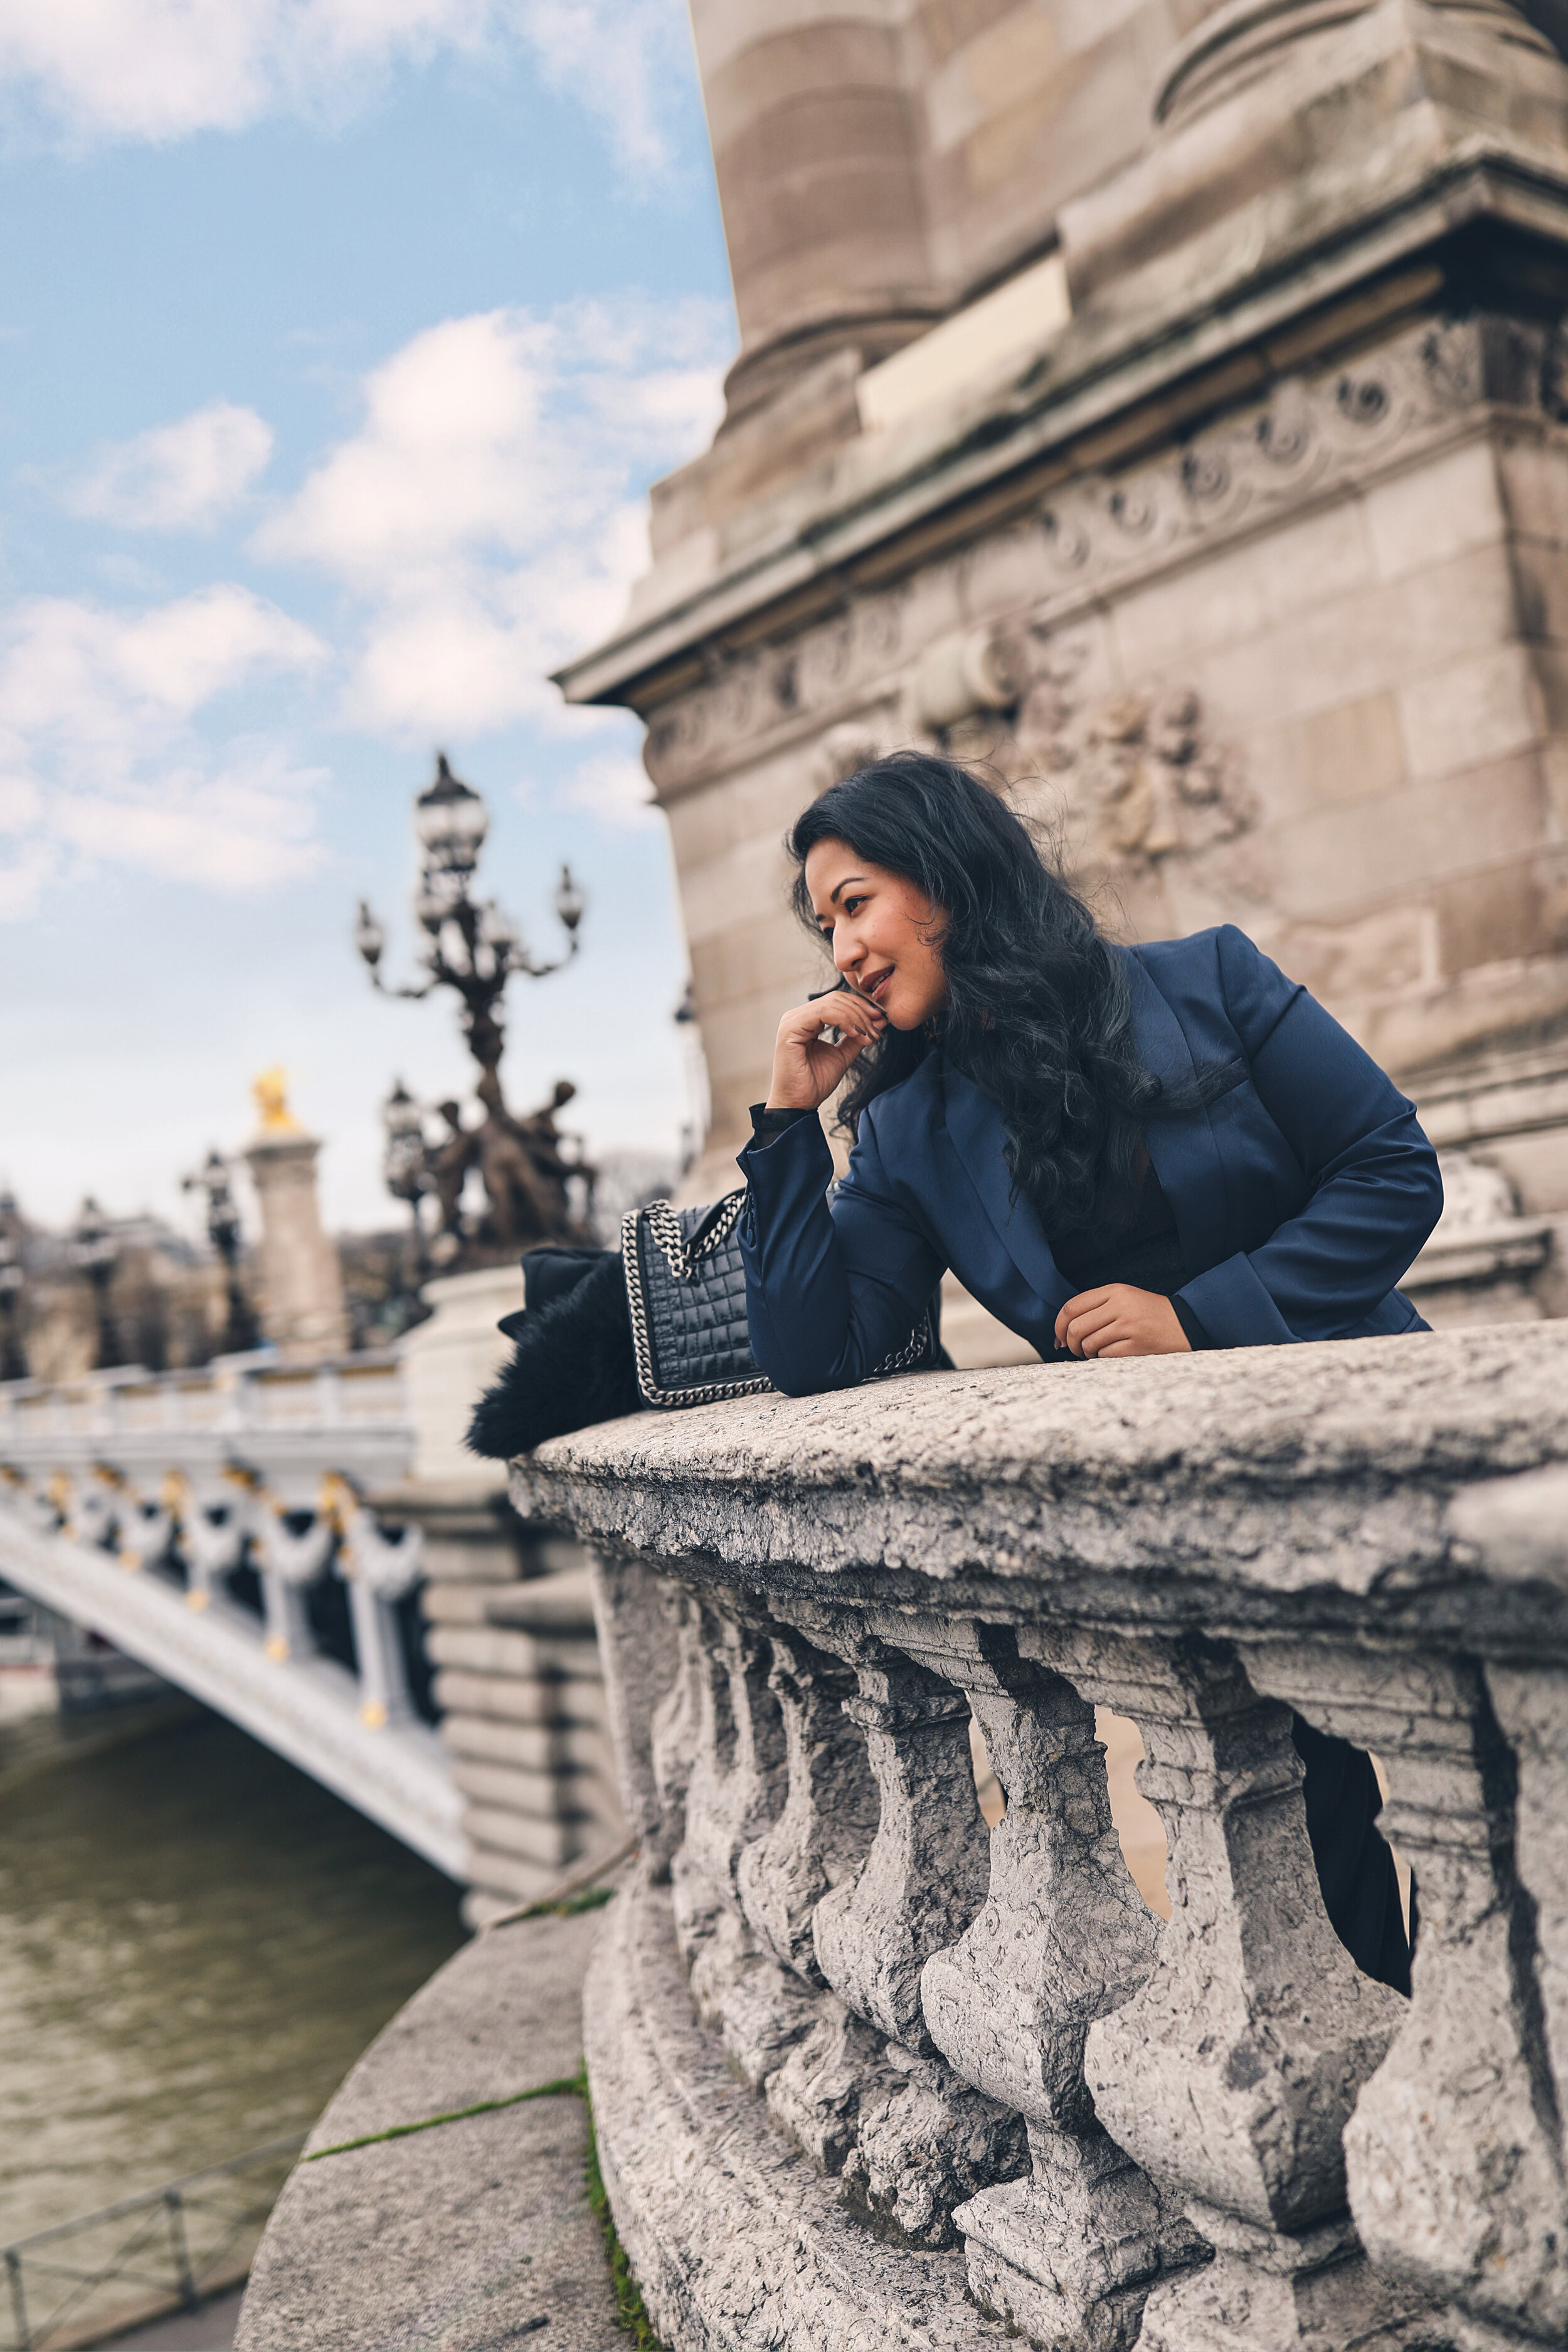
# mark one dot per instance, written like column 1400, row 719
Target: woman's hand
column 1117, row 1321
column 806, row 1067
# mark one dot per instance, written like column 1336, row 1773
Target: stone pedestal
column 445, row 1364
column 303, row 1309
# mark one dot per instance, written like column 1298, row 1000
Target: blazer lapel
column 976, row 1127
column 1185, row 1154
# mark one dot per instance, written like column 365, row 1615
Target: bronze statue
column 474, row 949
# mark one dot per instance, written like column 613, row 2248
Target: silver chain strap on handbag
column 685, row 1288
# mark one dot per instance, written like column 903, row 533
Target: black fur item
column 573, row 1364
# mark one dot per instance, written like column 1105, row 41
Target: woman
column 1119, row 1151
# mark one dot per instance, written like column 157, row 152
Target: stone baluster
column 1531, row 1703
column 636, row 1614
column 1230, row 2074
column 211, row 1537
column 923, row 1877
column 737, row 1779
column 144, row 1529
column 1069, row 2253
column 882, row 1833
column 379, row 1571
column 830, row 1813
column 94, row 1508
column 291, row 1558
column 676, row 1726
column 1455, row 2150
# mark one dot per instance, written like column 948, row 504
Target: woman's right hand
column 806, row 1067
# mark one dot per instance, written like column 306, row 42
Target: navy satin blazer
column 1300, row 1193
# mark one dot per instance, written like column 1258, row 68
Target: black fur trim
column 573, row 1364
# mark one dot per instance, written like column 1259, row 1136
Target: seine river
column 196, row 1943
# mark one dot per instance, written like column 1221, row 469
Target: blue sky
column 338, row 341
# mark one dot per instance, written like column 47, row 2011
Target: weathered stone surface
column 830, row 1817
column 924, row 1877
column 1454, row 2152
column 736, row 2239
column 472, row 2233
column 1198, row 2099
column 1062, row 1938
column 1229, row 1491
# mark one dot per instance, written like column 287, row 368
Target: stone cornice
column 1108, row 388
column 1311, row 442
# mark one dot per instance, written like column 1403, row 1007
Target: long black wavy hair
column 1039, row 1010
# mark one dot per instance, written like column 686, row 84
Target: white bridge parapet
column 133, row 1503
column 865, row 2075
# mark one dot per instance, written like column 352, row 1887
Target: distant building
column 1164, row 402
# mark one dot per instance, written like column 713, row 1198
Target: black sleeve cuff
column 766, row 1124
column 1197, row 1336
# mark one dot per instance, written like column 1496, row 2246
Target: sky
column 340, row 341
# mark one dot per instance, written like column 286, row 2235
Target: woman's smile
column 884, row 932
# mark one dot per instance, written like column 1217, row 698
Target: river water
column 196, row 1942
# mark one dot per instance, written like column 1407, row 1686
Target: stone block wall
column 510, row 1620
column 1247, row 577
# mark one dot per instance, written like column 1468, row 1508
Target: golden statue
column 270, row 1091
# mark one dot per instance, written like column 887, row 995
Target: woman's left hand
column 1120, row 1321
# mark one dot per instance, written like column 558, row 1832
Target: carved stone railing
column 865, row 2075
column 214, row 1524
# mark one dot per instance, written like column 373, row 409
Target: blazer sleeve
column 833, row 1282
column 1375, row 1190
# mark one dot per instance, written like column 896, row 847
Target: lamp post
column 12, row 1354
column 226, row 1236
column 405, row 1169
column 474, row 949
column 95, row 1253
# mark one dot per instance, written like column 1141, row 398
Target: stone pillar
column 303, row 1309
column 446, row 1362
column 816, row 151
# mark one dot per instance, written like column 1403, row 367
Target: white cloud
column 612, row 787
column 489, row 513
column 162, row 69
column 99, row 757
column 177, row 477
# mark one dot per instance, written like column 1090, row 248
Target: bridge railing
column 90, row 2280
column 867, row 2072
column 215, row 1525
column 235, row 1398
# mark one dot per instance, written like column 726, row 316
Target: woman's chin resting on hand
column 1117, row 1320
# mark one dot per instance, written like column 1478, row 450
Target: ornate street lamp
column 405, row 1162
column 227, row 1238
column 12, row 1354
column 95, row 1253
column 473, row 948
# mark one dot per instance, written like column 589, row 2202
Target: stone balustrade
column 255, row 1531
column 215, row 1524
column 868, row 2073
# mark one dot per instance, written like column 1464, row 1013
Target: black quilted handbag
column 686, row 1288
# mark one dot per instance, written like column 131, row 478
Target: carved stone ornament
column 1095, row 533
column 1140, row 767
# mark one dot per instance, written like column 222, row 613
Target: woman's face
column 883, row 932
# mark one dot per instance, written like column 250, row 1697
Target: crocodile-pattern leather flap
column 695, row 1327
column 686, row 1290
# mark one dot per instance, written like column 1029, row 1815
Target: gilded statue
column 270, row 1093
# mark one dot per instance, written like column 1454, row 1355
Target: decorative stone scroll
column 1052, row 2117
